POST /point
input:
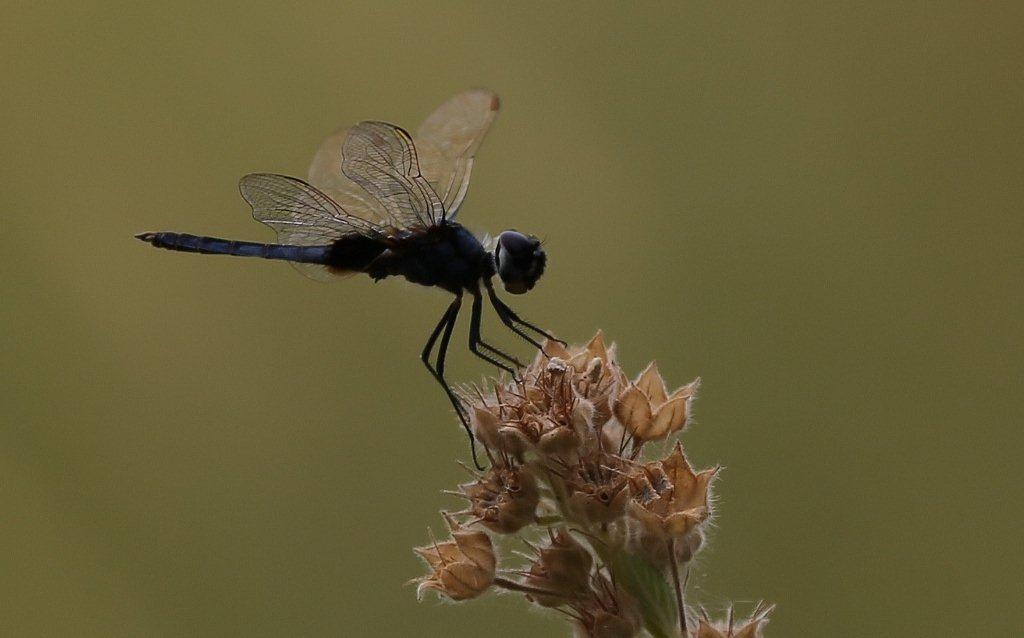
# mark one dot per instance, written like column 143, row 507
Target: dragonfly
column 382, row 202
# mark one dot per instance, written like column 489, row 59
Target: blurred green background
column 814, row 206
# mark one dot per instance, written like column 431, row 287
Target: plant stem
column 679, row 589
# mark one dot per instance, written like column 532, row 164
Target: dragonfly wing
column 382, row 159
column 325, row 174
column 448, row 141
column 301, row 215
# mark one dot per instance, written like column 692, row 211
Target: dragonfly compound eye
column 520, row 261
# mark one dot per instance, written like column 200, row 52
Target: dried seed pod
column 562, row 566
column 602, row 624
column 670, row 505
column 461, row 568
column 648, row 412
column 555, row 409
column 598, row 488
column 504, row 499
column 498, row 435
column 533, row 415
column 607, row 612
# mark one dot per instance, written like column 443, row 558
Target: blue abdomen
column 217, row 246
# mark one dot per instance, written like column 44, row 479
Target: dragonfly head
column 520, row 261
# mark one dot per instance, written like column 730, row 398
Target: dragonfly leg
column 444, row 330
column 512, row 321
column 476, row 340
column 446, row 320
column 516, row 318
column 425, row 356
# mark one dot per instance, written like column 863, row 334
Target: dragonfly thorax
column 446, row 256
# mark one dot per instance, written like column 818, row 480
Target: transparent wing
column 325, row 173
column 381, row 158
column 448, row 141
column 301, row 215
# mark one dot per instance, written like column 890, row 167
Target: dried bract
column 607, row 613
column 750, row 628
column 648, row 411
column 670, row 503
column 462, row 567
column 562, row 566
column 602, row 624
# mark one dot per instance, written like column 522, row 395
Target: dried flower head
column 462, row 567
column 670, row 503
column 595, row 372
column 540, row 413
column 503, row 499
column 749, row 628
column 566, row 440
column 648, row 411
column 558, row 406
